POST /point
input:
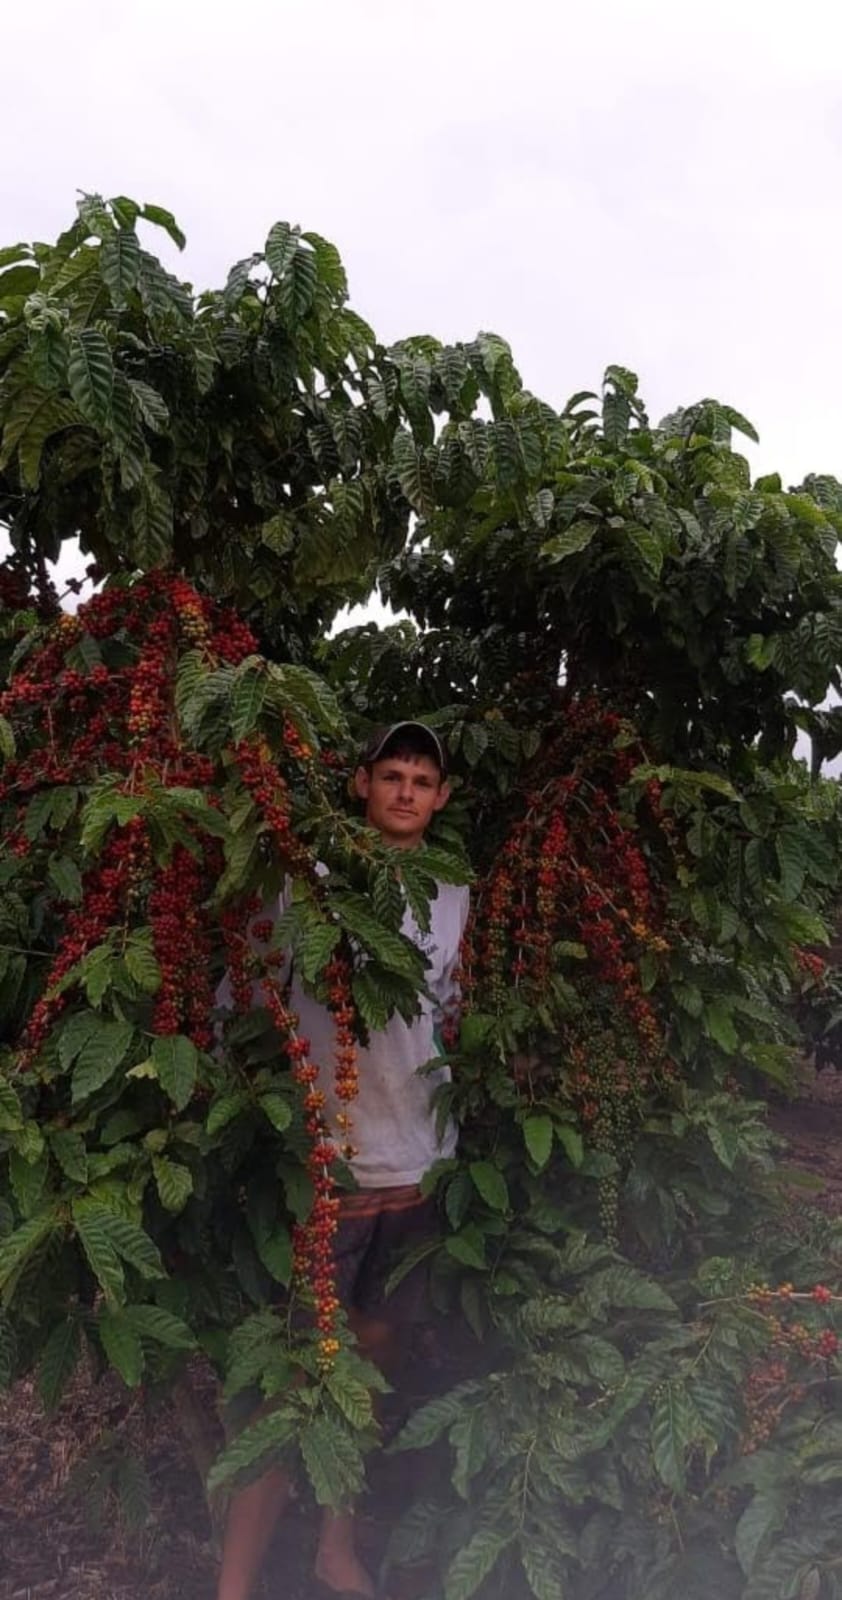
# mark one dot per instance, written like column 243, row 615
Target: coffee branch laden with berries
column 156, row 781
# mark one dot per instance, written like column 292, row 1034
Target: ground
column 51, row 1550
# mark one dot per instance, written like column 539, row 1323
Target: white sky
column 650, row 183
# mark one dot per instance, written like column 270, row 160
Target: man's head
column 402, row 778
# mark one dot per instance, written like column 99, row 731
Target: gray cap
column 382, row 736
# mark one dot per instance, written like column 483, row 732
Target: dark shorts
column 378, row 1230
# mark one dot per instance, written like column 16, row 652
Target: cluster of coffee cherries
column 574, row 873
column 94, row 708
column 252, row 968
column 778, row 1379
column 95, row 701
column 810, row 965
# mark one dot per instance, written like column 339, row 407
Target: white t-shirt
column 394, row 1121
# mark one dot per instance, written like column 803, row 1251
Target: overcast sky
column 650, row 183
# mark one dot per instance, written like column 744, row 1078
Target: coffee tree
column 619, row 635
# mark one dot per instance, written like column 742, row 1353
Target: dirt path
column 812, row 1127
column 49, row 1550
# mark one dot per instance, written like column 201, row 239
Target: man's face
column 402, row 795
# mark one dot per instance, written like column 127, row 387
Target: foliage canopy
column 618, row 633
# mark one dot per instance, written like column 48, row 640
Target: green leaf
column 623, row 1286
column 66, row 877
column 153, row 1322
column 333, row 1461
column 474, row 742
column 225, row 1109
column 18, row 1247
column 431, row 1420
column 467, row 1246
column 672, row 1433
column 575, row 538
column 719, row 1024
column 96, row 1238
column 387, row 897
column 538, row 1138
column 176, row 1063
column 490, row 1184
column 792, row 862
column 281, row 247
column 458, row 1197
column 76, row 1032
column 725, row 1141
column 470, row 1438
column 90, row 372
column 412, row 471
column 271, row 1433
column 616, row 415
column 106, row 1236
column 68, row 1149
column 301, row 695
column 122, row 1346
column 247, row 699
column 175, row 1182
column 329, row 262
column 29, row 1142
column 7, row 740
column 19, row 282
column 97, row 973
column 134, row 1245
column 742, row 425
column 162, row 218
column 603, row 1359
column 120, row 264
column 27, row 1178
column 99, row 1057
column 278, row 1110
column 393, row 950
column 141, row 962
column 151, row 405
column 571, row 1141
column 152, row 522
column 58, row 1361
column 275, row 1251
column 38, row 813
column 34, row 415
column 315, row 948
column 14, row 252
column 473, row 1563
column 647, row 546
column 298, row 285
column 351, row 1396
column 764, row 1515
column 760, row 651
column 11, row 1114
column 543, row 1566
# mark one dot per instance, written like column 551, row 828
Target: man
column 402, row 781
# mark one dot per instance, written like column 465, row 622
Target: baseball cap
column 383, row 736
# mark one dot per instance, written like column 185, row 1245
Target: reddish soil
column 50, row 1549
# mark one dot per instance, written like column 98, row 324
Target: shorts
column 377, row 1229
